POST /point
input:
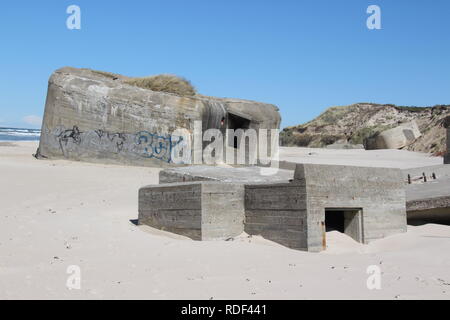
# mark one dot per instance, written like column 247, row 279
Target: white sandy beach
column 54, row 214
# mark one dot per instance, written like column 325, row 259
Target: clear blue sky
column 302, row 55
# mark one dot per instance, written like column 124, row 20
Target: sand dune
column 54, row 214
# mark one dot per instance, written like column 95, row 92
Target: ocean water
column 19, row 134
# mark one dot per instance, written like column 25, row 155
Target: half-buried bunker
column 365, row 203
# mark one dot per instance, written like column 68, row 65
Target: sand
column 54, row 214
column 356, row 157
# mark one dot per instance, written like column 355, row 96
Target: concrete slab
column 364, row 158
column 441, row 171
column 226, row 174
column 430, row 195
column 199, row 210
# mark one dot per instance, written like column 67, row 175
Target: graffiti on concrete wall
column 156, row 146
column 100, row 143
column 116, row 139
column 72, row 135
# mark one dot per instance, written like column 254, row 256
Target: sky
column 301, row 55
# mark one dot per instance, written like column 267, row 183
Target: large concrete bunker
column 365, row 203
column 93, row 117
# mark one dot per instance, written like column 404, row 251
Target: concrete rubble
column 395, row 138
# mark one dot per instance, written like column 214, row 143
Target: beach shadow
column 135, row 222
column 422, row 221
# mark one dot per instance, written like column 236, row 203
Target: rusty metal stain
column 324, row 235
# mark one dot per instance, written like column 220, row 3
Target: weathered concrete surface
column 437, row 216
column 293, row 213
column 278, row 212
column 377, row 194
column 387, row 158
column 440, row 171
column 395, row 138
column 345, row 146
column 92, row 117
column 430, row 195
column 429, row 202
column 244, row 175
column 199, row 210
column 423, row 197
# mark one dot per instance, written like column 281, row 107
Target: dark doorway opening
column 334, row 221
column 345, row 220
column 236, row 122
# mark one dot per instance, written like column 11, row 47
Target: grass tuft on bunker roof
column 164, row 83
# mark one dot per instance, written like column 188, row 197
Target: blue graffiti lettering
column 155, row 146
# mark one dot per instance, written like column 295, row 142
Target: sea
column 19, row 134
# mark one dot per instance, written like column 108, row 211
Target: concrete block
column 378, row 194
column 371, row 202
column 199, row 210
column 396, row 138
column 344, row 146
column 277, row 212
column 244, row 175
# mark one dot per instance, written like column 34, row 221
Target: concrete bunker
column 92, row 117
column 395, row 138
column 365, row 203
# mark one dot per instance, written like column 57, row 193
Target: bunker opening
column 344, row 220
column 236, row 122
column 434, row 216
